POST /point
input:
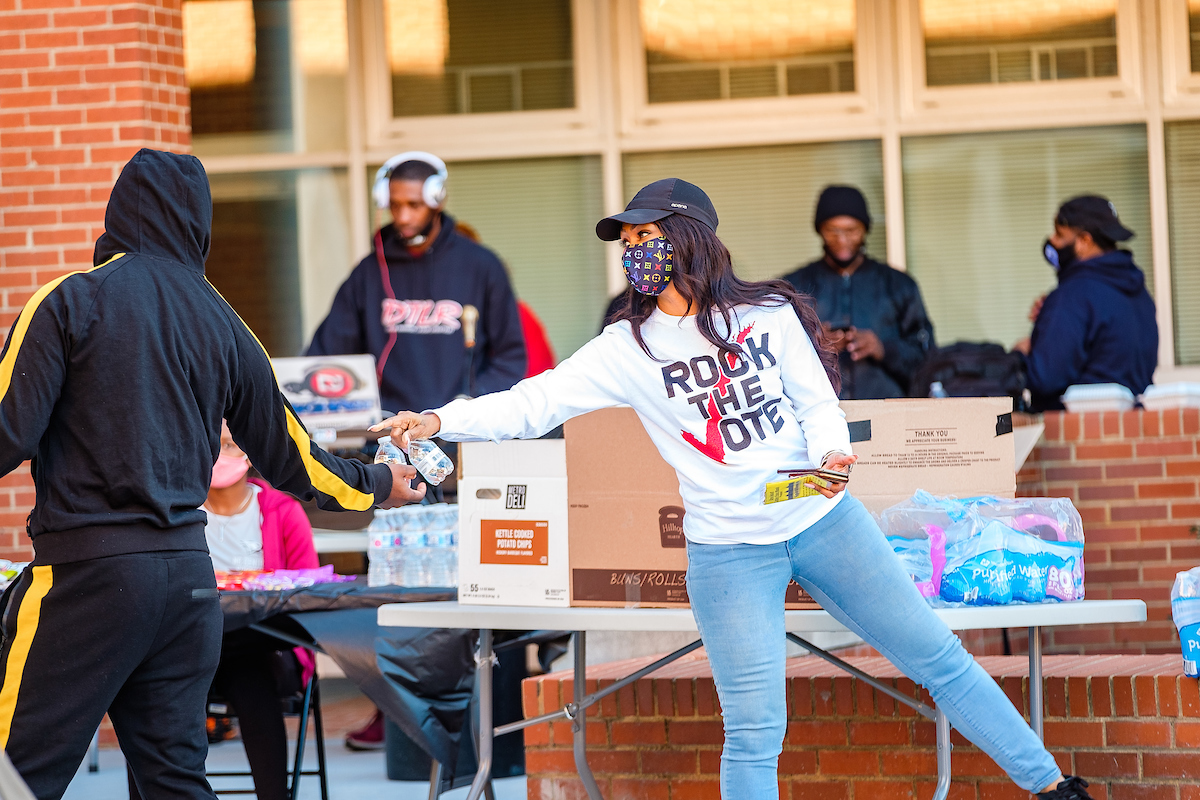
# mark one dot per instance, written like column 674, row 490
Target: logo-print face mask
column 648, row 265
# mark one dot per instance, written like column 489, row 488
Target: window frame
column 1052, row 103
column 1181, row 86
column 490, row 134
column 706, row 123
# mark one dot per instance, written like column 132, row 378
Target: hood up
column 1115, row 268
column 160, row 206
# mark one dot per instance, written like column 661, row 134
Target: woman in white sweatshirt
column 735, row 381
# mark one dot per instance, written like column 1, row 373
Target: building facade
column 965, row 123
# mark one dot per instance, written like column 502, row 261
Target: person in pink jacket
column 254, row 527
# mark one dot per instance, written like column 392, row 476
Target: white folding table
column 485, row 619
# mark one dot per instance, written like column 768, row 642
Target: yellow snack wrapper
column 792, row 489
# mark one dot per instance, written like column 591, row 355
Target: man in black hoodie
column 406, row 303
column 1098, row 325
column 114, row 380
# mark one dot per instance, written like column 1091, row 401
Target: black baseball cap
column 1094, row 214
column 658, row 200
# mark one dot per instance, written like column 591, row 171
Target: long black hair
column 703, row 275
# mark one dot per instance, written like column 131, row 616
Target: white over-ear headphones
column 433, row 191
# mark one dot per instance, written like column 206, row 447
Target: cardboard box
column 625, row 514
column 512, row 521
column 957, row 446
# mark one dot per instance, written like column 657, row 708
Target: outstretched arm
column 582, row 383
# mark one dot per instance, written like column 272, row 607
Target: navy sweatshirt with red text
column 425, row 366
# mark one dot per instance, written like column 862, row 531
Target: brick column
column 83, row 85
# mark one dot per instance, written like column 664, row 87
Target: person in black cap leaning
column 885, row 333
column 1099, row 325
column 733, row 381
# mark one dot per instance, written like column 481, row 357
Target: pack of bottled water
column 414, row 546
column 1185, row 610
column 428, row 459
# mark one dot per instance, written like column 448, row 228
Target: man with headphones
column 435, row 309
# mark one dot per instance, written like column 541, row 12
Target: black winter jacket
column 1097, row 326
column 880, row 299
column 425, row 365
column 115, row 380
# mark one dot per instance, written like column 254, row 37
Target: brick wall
column 83, row 85
column 1133, row 477
column 1129, row 724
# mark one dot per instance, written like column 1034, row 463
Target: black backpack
column 972, row 369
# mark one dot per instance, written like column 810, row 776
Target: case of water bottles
column 1185, row 611
column 983, row 551
column 414, row 546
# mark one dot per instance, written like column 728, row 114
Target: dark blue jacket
column 1098, row 326
column 425, row 366
column 879, row 298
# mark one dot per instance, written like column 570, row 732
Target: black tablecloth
column 243, row 609
column 421, row 678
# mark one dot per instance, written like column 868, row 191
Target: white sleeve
column 584, row 382
column 808, row 387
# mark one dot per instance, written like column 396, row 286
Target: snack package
column 9, row 570
column 1185, row 610
column 989, row 550
column 279, row 579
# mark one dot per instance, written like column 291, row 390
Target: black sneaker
column 1072, row 788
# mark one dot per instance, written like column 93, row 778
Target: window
column 1183, row 198
column 254, row 257
column 266, row 75
column 723, row 50
column 765, row 196
column 478, row 56
column 1003, row 41
column 539, row 216
column 1194, row 33
column 979, row 206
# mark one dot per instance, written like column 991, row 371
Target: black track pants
column 124, row 634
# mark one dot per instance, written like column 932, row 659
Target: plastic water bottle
column 388, row 453
column 429, row 460
column 443, row 559
column 379, row 568
column 414, row 570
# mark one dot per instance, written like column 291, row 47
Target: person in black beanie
column 874, row 312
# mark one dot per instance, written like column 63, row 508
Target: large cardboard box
column 625, row 514
column 512, row 500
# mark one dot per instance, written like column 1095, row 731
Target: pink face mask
column 229, row 470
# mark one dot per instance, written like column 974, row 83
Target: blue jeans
column 846, row 564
